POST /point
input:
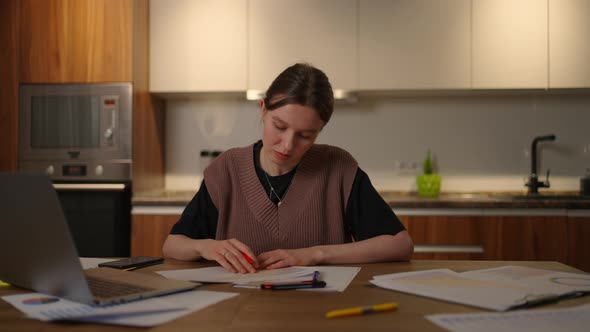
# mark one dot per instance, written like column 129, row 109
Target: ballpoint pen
column 361, row 310
column 313, row 283
column 299, row 285
column 544, row 299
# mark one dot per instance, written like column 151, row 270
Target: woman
column 286, row 201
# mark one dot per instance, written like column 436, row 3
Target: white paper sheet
column 447, row 285
column 497, row 289
column 546, row 280
column 573, row 319
column 337, row 278
column 218, row 274
column 144, row 313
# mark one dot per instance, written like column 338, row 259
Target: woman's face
column 289, row 131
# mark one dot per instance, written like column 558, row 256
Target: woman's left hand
column 287, row 257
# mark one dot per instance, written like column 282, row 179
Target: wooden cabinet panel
column 148, row 111
column 569, row 44
column 9, row 85
column 283, row 32
column 453, row 231
column 412, row 44
column 509, row 44
column 148, row 233
column 579, row 242
column 198, row 45
column 533, row 238
column 75, row 41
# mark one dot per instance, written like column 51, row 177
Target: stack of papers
column 337, row 278
column 144, row 313
column 574, row 319
column 500, row 289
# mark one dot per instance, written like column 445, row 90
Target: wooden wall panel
column 9, row 84
column 148, row 111
column 579, row 242
column 148, row 234
column 75, row 41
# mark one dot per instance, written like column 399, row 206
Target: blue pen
column 316, row 275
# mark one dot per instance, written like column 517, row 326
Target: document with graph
column 500, row 289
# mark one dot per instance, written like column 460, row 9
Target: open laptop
column 37, row 250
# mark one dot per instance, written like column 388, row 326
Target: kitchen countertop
column 506, row 200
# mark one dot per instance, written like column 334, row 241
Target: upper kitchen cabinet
column 284, row 32
column 198, row 45
column 412, row 44
column 75, row 41
column 569, row 44
column 510, row 44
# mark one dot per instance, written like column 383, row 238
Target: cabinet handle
column 90, row 186
column 463, row 249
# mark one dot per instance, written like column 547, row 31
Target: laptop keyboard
column 107, row 288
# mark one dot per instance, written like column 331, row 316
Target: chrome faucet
column 534, row 184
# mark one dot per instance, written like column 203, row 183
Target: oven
column 80, row 136
column 99, row 216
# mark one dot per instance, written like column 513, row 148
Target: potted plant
column 429, row 181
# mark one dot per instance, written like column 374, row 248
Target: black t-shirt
column 367, row 214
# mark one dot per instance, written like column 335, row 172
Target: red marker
column 247, row 257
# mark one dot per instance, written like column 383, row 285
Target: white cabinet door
column 415, row 44
column 198, row 45
column 569, row 43
column 510, row 44
column 320, row 32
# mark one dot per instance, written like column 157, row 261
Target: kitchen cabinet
column 569, row 44
column 509, row 44
column 412, row 44
column 511, row 234
column 93, row 41
column 75, row 41
column 533, row 238
column 198, row 45
column 148, row 233
column 283, row 32
column 578, row 230
column 453, row 237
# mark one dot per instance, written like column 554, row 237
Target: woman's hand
column 230, row 254
column 287, row 257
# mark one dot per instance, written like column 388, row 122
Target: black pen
column 551, row 298
column 299, row 285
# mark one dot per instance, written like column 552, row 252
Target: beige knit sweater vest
column 312, row 211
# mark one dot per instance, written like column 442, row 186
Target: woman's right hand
column 231, row 254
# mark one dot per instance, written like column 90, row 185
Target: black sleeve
column 367, row 214
column 199, row 218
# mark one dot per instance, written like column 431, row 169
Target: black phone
column 132, row 262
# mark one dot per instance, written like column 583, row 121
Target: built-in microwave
column 78, row 132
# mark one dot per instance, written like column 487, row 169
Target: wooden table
column 257, row 310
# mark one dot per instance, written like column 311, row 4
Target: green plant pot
column 428, row 185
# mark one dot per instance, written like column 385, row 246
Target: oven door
column 99, row 217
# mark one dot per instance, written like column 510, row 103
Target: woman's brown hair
column 305, row 85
